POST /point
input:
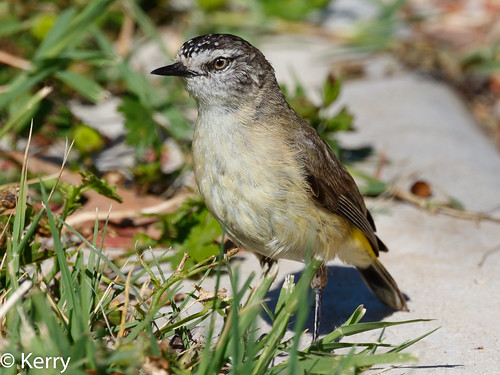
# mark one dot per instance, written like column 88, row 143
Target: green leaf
column 192, row 229
column 485, row 60
column 456, row 204
column 143, row 131
column 200, row 241
column 84, row 85
column 137, row 84
column 342, row 121
column 488, row 67
column 100, row 186
column 331, row 90
column 211, row 5
column 87, row 139
column 42, row 24
column 372, row 186
column 178, row 127
column 10, row 26
column 293, row 10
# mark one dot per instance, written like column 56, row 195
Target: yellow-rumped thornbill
column 267, row 174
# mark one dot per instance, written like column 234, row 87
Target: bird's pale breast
column 251, row 181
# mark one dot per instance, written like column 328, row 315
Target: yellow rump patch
column 360, row 238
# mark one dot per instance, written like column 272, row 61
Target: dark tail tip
column 383, row 286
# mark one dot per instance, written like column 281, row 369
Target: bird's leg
column 265, row 262
column 317, row 285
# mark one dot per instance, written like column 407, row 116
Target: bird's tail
column 383, row 285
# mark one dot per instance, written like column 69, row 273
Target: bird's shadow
column 344, row 292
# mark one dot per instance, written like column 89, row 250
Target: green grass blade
column 101, row 256
column 24, row 82
column 356, row 316
column 411, row 342
column 67, row 283
column 12, row 26
column 348, row 330
column 246, row 317
column 56, row 33
column 19, row 222
column 26, row 112
column 206, row 363
column 325, row 364
column 146, row 25
column 84, row 85
column 235, row 351
column 150, row 316
column 70, row 28
column 96, row 58
column 282, row 315
column 341, row 364
column 268, row 344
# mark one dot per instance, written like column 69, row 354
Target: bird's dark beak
column 177, row 69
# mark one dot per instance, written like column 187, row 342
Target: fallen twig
column 487, row 254
column 440, row 207
column 14, row 61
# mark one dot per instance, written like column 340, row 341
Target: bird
column 267, row 175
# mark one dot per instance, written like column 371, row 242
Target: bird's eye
column 220, row 63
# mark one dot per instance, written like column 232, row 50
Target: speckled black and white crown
column 220, row 67
column 213, row 42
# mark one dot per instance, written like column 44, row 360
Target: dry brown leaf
column 134, row 206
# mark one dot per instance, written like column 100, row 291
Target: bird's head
column 222, row 69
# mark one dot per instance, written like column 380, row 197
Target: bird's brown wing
column 331, row 185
